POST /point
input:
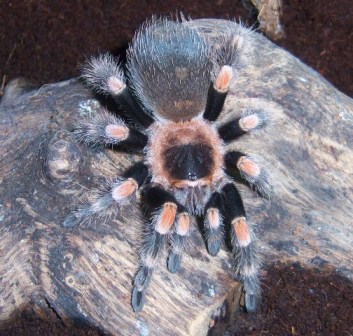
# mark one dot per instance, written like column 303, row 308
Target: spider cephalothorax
column 173, row 93
column 184, row 154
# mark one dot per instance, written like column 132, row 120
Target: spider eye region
column 188, row 161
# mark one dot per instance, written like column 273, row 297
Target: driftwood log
column 85, row 273
column 268, row 13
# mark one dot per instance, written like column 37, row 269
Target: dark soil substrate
column 45, row 41
column 298, row 301
column 29, row 324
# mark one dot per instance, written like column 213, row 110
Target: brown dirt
column 298, row 301
column 27, row 323
column 45, row 40
column 320, row 33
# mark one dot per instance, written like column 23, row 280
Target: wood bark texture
column 85, row 273
column 269, row 14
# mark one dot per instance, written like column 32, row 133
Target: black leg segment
column 139, row 172
column 155, row 197
column 134, row 111
column 250, row 120
column 231, row 130
column 215, row 102
column 233, row 203
column 136, row 141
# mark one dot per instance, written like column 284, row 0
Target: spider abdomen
column 170, row 70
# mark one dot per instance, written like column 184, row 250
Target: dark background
column 46, row 40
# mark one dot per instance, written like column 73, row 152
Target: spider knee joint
column 214, row 218
column 241, row 231
column 248, row 166
column 124, row 190
column 166, row 218
column 119, row 132
column 183, row 224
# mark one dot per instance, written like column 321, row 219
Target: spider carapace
column 172, row 91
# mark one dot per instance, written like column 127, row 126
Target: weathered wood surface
column 85, row 273
column 268, row 14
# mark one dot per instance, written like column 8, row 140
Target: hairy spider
column 174, row 90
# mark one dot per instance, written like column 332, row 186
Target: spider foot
column 143, row 277
column 174, row 262
column 251, row 302
column 251, row 290
column 213, row 246
column 138, row 298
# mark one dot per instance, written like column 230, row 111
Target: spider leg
column 103, row 74
column 119, row 193
column 167, row 211
column 178, row 240
column 246, row 256
column 250, row 171
column 227, row 59
column 104, row 129
column 213, row 223
column 249, row 121
column 217, row 93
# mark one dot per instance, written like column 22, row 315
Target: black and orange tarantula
column 172, row 94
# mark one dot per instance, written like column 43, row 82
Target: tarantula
column 173, row 92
